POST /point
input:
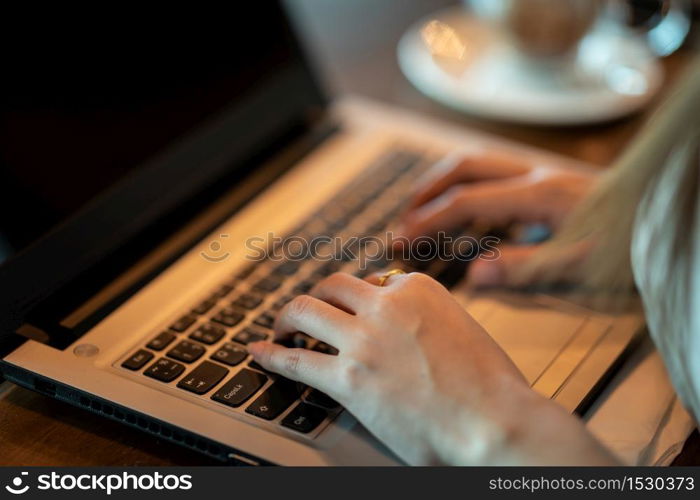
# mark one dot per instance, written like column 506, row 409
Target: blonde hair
column 608, row 215
column 644, row 222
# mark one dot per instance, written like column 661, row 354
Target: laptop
column 136, row 279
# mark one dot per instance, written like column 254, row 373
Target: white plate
column 613, row 75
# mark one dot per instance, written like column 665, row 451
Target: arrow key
column 277, row 398
column 203, row 378
column 164, row 370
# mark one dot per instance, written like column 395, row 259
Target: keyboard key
column 246, row 271
column 257, row 366
column 379, row 264
column 311, row 228
column 452, row 273
column 298, row 340
column 164, row 370
column 206, row 305
column 248, row 301
column 208, row 334
column 266, row 320
column 303, row 287
column 332, row 210
column 281, row 302
column 223, row 291
column 420, row 264
column 138, row 359
column 352, row 202
column 318, row 398
column 296, row 246
column 229, row 317
column 301, row 340
column 377, row 226
column 240, row 388
column 324, row 348
column 304, row 418
column 276, row 398
column 203, row 378
column 269, row 284
column 327, row 269
column 287, row 268
column 248, row 335
column 161, row 341
column 334, row 214
column 230, row 355
column 186, row 351
column 407, row 161
column 394, row 212
column 349, row 252
column 183, row 323
column 361, row 273
column 323, row 251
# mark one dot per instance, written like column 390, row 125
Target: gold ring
column 389, row 274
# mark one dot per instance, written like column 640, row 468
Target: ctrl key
column 304, row 418
column 240, row 388
column 164, row 370
column 137, row 360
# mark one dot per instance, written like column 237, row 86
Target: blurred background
column 577, row 77
column 354, row 44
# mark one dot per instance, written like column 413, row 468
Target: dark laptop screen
column 110, row 121
column 86, row 101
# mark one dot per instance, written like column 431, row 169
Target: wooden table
column 354, row 44
column 366, row 64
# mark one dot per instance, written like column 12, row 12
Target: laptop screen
column 107, row 123
column 86, row 104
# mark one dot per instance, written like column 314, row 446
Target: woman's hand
column 422, row 375
column 496, row 189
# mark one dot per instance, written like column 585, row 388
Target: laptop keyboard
column 203, row 352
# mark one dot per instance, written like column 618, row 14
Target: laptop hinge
column 59, row 326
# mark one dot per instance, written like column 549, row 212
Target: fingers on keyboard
column 212, row 361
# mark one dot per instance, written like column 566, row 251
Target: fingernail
column 254, row 348
column 406, row 230
column 485, row 273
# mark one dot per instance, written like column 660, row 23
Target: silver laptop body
column 154, row 363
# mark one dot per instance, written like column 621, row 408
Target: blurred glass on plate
column 552, row 29
column 547, row 62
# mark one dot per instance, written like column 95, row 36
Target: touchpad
column 533, row 330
